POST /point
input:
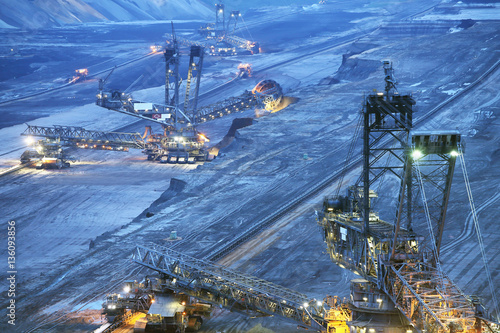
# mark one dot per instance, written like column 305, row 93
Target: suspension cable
column 428, row 219
column 357, row 130
column 478, row 231
column 246, row 27
column 133, row 84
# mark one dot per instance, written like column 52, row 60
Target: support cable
column 478, row 231
column 429, row 222
column 133, row 83
column 245, row 25
column 357, row 130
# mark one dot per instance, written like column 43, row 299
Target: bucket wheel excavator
column 180, row 142
column 402, row 287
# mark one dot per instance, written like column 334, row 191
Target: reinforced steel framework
column 225, row 107
column 77, row 135
column 220, row 20
column 386, row 115
column 182, row 147
column 429, row 167
column 235, row 15
column 242, row 43
column 402, row 263
column 195, row 65
column 172, row 58
column 428, row 298
column 218, row 285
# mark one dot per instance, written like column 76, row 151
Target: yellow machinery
column 337, row 316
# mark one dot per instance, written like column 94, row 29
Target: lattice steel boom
column 218, row 285
column 76, row 135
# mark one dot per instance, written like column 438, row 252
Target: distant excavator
column 181, row 139
column 222, row 35
column 180, row 142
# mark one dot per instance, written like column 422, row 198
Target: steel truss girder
column 218, row 285
column 235, row 14
column 75, row 135
column 384, row 114
column 238, row 42
column 436, row 168
column 185, row 41
column 428, row 298
column 172, row 58
column 396, row 109
column 226, row 107
column 196, row 65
